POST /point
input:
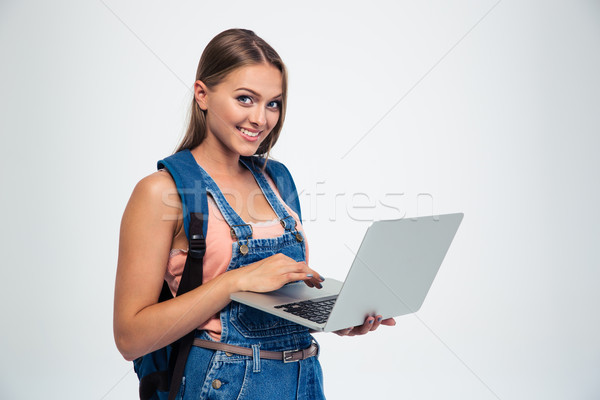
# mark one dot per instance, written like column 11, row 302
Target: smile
column 248, row 133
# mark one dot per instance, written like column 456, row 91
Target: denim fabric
column 213, row 374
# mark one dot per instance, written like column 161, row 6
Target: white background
column 482, row 107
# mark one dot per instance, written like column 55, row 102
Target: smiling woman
column 242, row 109
column 237, row 114
column 226, row 53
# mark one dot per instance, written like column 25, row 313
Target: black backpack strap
column 190, row 279
column 150, row 383
column 190, row 185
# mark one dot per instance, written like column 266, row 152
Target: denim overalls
column 213, row 374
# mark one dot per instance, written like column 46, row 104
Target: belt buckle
column 288, row 358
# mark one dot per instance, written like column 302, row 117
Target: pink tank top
column 218, row 251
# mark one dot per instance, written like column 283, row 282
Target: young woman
column 238, row 110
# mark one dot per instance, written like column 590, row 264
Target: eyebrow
column 255, row 93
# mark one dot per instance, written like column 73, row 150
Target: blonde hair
column 229, row 50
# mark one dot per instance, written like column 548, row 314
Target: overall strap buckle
column 283, row 223
column 242, row 246
column 234, row 235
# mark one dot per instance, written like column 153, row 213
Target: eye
column 274, row 104
column 245, row 99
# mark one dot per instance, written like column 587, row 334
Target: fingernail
column 322, row 278
column 370, row 321
column 379, row 319
column 309, row 275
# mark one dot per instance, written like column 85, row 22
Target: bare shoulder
column 155, row 184
column 157, row 187
column 156, row 196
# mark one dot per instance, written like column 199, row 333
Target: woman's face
column 242, row 109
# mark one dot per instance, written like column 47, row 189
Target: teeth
column 246, row 132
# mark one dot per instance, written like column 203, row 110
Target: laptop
column 390, row 276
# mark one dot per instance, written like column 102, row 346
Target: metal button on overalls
column 216, row 384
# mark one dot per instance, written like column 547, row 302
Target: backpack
column 160, row 372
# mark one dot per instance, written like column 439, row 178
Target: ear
column 200, row 93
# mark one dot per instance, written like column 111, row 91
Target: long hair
column 229, row 50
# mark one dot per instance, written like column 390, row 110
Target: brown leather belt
column 285, row 356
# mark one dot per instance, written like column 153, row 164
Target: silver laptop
column 390, row 276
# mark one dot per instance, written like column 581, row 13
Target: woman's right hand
column 273, row 272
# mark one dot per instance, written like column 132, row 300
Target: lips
column 249, row 134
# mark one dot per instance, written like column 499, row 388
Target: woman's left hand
column 371, row 323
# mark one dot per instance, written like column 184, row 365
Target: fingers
column 295, row 271
column 275, row 271
column 301, row 272
column 312, row 277
column 343, row 332
column 365, row 327
column 370, row 324
column 376, row 322
column 358, row 330
column 314, row 280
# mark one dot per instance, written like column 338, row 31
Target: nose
column 258, row 116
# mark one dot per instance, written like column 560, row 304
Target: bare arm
column 141, row 324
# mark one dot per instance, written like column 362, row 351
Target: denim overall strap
column 286, row 220
column 281, row 177
column 240, row 231
column 189, row 178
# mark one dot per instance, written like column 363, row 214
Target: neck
column 215, row 161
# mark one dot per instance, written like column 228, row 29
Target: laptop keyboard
column 316, row 310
